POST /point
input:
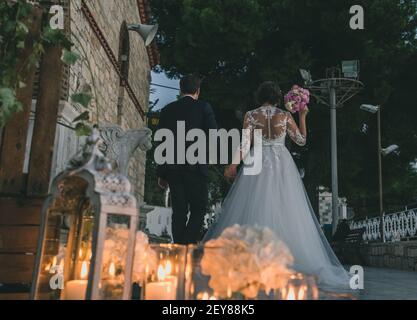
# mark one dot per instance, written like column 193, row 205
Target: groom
column 187, row 182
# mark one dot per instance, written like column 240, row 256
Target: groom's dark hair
column 268, row 92
column 190, row 84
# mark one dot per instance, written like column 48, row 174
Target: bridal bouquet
column 246, row 260
column 297, row 99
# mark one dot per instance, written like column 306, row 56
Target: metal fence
column 397, row 226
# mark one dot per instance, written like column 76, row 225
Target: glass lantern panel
column 164, row 270
column 113, row 270
column 66, row 254
column 198, row 285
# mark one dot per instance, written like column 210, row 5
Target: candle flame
column 84, row 270
column 205, row 296
column 161, row 273
column 192, row 288
column 301, row 294
column 61, row 265
column 229, row 292
column 112, row 269
column 315, row 293
column 54, row 260
column 291, row 294
column 168, row 268
column 80, row 253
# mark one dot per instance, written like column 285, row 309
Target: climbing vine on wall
column 16, row 19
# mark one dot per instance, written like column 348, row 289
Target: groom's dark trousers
column 188, row 194
column 187, row 182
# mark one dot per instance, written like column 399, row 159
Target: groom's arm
column 210, row 123
column 209, row 117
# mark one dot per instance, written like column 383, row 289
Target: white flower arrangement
column 245, row 260
column 145, row 258
column 115, row 248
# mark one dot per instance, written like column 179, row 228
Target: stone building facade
column 116, row 64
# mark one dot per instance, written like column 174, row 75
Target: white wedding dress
column 276, row 198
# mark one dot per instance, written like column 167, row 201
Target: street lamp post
column 334, row 91
column 333, row 135
column 381, row 152
column 377, row 109
column 381, row 208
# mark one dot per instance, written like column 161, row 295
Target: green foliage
column 236, row 44
column 9, row 104
column 15, row 17
column 70, row 57
column 55, row 37
column 83, row 129
column 82, row 98
column 13, row 32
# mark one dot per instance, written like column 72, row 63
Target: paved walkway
column 389, row 284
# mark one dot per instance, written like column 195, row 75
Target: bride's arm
column 243, row 149
column 298, row 135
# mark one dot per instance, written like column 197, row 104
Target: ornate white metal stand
column 120, row 145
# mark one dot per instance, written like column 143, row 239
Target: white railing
column 397, row 226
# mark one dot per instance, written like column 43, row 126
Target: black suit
column 188, row 183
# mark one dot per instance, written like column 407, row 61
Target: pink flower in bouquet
column 297, row 99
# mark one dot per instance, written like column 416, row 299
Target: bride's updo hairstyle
column 268, row 92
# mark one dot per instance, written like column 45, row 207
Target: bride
column 276, row 198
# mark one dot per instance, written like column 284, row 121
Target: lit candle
column 76, row 289
column 291, row 293
column 168, row 276
column 315, row 292
column 295, row 293
column 229, row 292
column 168, row 267
column 163, row 289
column 301, row 293
column 61, row 266
column 203, row 296
column 112, row 288
column 112, row 270
column 229, row 289
column 51, row 264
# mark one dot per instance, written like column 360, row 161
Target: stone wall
column 96, row 69
column 396, row 255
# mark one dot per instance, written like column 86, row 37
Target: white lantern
column 87, row 235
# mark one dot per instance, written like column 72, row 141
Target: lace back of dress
column 271, row 120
